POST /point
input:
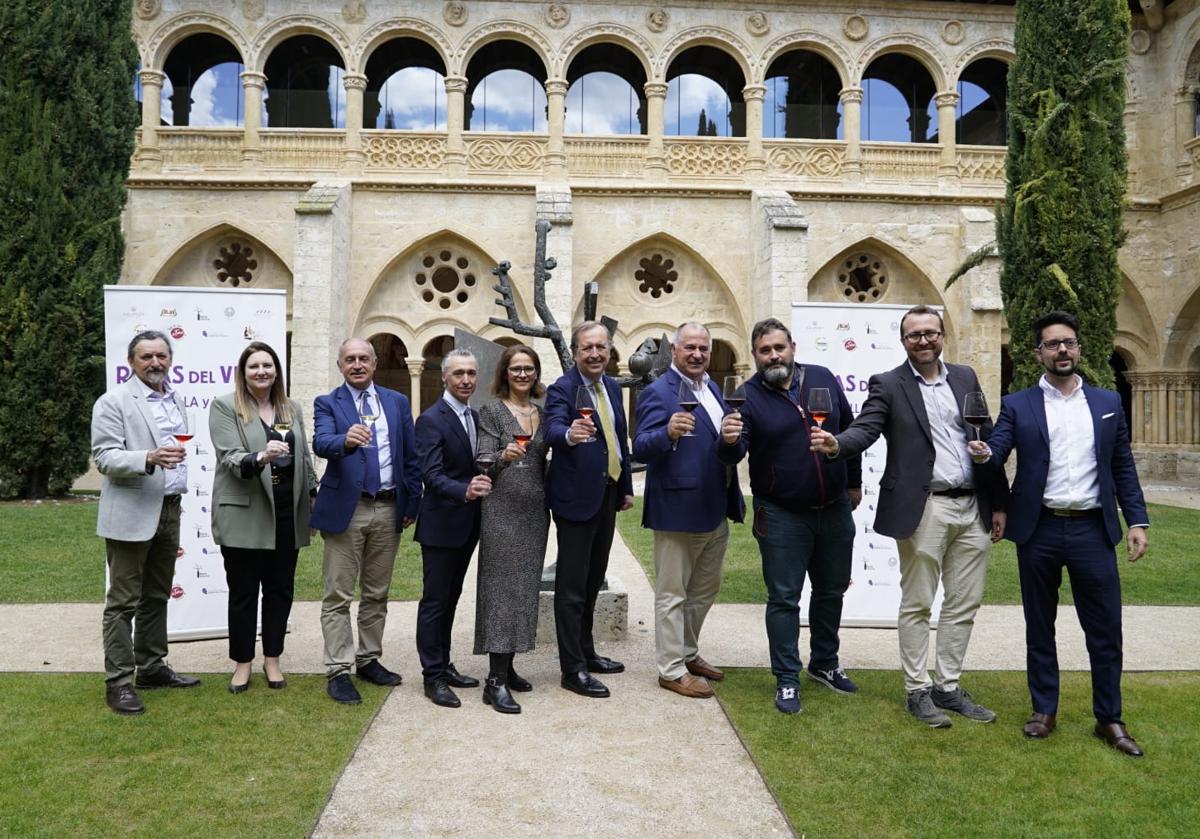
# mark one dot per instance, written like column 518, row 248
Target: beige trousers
column 687, row 577
column 364, row 554
column 949, row 546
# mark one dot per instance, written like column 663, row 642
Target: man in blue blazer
column 1074, row 465
column 689, row 496
column 367, row 496
column 587, row 483
column 448, row 524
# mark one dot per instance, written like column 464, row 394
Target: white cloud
column 337, row 96
column 416, row 99
column 509, row 100
column 602, row 103
column 687, row 95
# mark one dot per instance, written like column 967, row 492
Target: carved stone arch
column 907, row 283
column 1185, row 59
column 443, row 265
column 604, row 33
column 914, row 46
column 179, row 27
column 1191, row 63
column 996, row 48
column 1137, row 331
column 281, row 29
column 399, row 27
column 142, row 49
column 708, row 36
column 501, row 30
column 816, row 42
column 1183, row 334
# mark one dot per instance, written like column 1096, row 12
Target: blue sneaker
column 787, row 699
column 835, row 679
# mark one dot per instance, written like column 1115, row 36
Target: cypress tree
column 1060, row 225
column 67, row 117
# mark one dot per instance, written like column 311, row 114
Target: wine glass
column 975, row 411
column 522, row 438
column 734, row 392
column 689, row 400
column 820, row 405
column 282, row 427
column 184, row 437
column 484, row 461
column 367, row 417
column 585, row 406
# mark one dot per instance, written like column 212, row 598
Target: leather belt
column 276, row 480
column 1091, row 513
column 954, row 492
column 382, row 495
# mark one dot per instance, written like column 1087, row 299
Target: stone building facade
column 391, row 233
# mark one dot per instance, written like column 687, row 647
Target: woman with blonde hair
column 261, row 498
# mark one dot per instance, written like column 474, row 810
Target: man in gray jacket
column 133, row 444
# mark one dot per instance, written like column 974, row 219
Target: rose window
column 235, row 264
column 656, row 276
column 862, row 278
column 444, row 279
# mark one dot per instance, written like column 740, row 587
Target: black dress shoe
column 164, row 677
column 236, row 689
column 377, row 674
column 496, row 694
column 440, row 694
column 516, row 683
column 585, row 685
column 604, row 664
column 1117, row 736
column 123, row 700
column 279, row 685
column 341, row 689
column 458, row 680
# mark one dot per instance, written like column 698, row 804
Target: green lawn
column 199, row 762
column 1167, row 576
column 51, row 554
column 860, row 766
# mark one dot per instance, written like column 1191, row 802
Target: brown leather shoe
column 1039, row 726
column 699, row 667
column 687, row 685
column 1118, row 737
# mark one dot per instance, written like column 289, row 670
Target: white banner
column 856, row 342
column 209, row 328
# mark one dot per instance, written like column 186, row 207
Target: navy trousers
column 444, row 571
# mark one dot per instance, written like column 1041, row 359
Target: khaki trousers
column 363, row 554
column 687, row 577
column 950, row 546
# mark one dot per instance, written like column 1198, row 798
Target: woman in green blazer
column 261, row 499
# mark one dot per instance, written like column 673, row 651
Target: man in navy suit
column 689, row 497
column 368, row 495
column 1074, row 465
column 448, row 525
column 587, row 483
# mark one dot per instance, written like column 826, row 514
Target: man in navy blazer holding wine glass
column 588, row 481
column 1074, row 465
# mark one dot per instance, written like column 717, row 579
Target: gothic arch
column 604, row 33
column 914, row 46
column 705, row 36
column 281, row 29
column 1183, row 330
column 1136, row 332
column 500, row 30
column 214, row 231
column 811, row 41
column 179, row 27
column 399, row 27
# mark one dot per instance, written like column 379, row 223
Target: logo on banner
column 248, row 333
column 168, row 313
column 133, row 312
column 843, row 327
column 872, row 330
column 262, row 313
column 849, row 344
column 176, row 592
column 200, row 314
column 821, row 343
column 139, row 327
column 201, row 533
column 208, row 333
column 201, row 492
column 200, row 572
column 207, row 590
column 177, row 332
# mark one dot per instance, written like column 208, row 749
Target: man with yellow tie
column 587, row 483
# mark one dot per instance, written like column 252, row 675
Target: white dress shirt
column 381, row 439
column 168, row 418
column 711, row 405
column 1072, row 479
column 951, row 462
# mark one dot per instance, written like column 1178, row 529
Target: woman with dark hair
column 512, row 537
column 261, row 498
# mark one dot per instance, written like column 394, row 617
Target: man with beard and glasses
column 937, row 505
column 802, row 506
column 1074, row 466
column 133, row 444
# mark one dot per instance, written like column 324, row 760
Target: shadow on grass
column 861, row 766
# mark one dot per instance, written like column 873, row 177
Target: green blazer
column 243, row 509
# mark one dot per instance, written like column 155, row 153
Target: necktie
column 371, row 478
column 606, row 425
column 469, row 423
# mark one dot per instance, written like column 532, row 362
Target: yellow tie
column 606, row 425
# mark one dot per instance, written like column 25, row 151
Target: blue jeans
column 813, row 542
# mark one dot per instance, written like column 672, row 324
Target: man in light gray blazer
column 144, row 475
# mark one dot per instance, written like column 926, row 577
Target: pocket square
column 1108, row 415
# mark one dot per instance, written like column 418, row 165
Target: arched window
column 802, row 98
column 704, row 94
column 607, row 92
column 202, row 87
column 431, row 373
column 506, row 89
column 406, row 87
column 898, row 101
column 392, row 369
column 982, row 113
column 304, row 85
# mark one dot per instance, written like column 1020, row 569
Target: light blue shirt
column 382, row 440
column 169, row 419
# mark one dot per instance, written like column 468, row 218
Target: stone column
column 556, row 117
column 416, row 366
column 352, row 155
column 252, row 101
column 779, row 248
column 1137, row 419
column 320, row 288
column 852, row 98
column 756, row 161
column 656, row 160
column 149, row 155
column 456, row 148
column 947, row 104
column 1185, row 126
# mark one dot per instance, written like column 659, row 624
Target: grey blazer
column 243, row 509
column 123, row 431
column 896, row 409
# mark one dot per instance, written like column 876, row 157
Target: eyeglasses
column 917, row 337
column 1069, row 343
column 522, row 371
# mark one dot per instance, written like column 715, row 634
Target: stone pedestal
column 611, row 618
